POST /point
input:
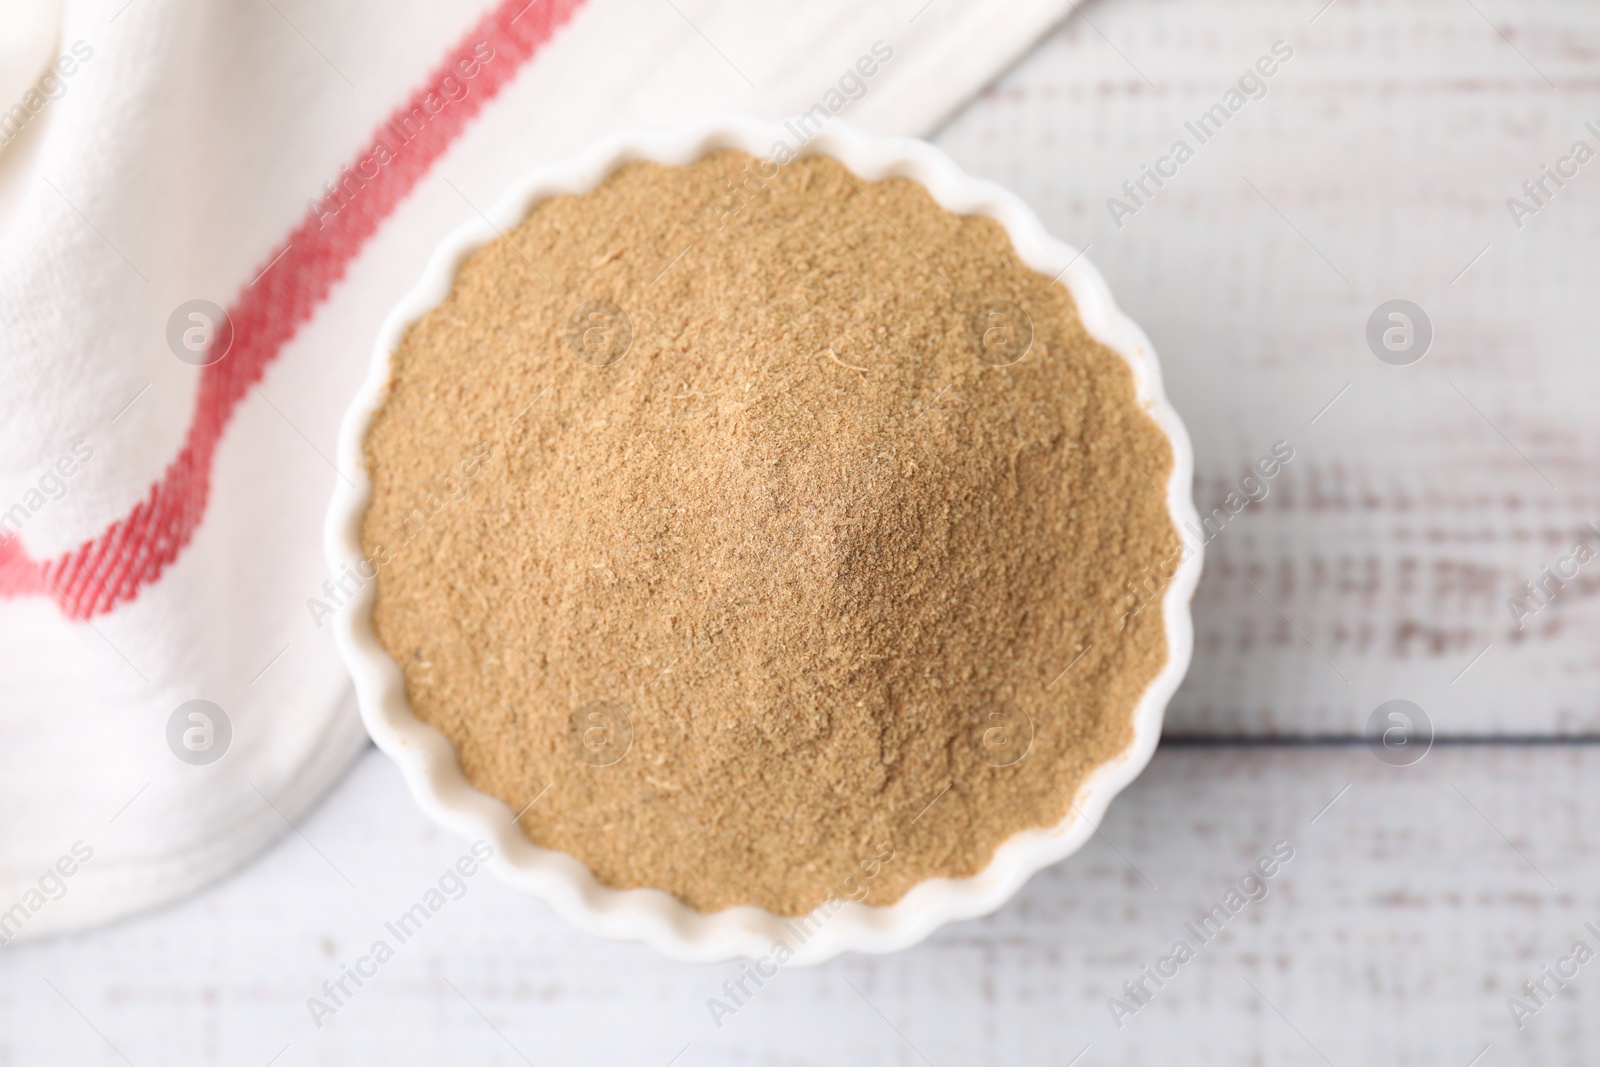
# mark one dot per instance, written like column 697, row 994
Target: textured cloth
column 167, row 466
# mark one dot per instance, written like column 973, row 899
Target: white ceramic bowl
column 651, row 915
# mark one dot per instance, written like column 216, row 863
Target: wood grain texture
column 1415, row 904
column 1377, row 166
column 1394, row 935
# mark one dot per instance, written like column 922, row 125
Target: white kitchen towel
column 205, row 212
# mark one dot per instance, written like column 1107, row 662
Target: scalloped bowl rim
column 426, row 757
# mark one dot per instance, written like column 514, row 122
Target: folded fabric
column 206, row 212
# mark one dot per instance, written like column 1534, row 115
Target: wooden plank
column 1377, row 166
column 1416, row 902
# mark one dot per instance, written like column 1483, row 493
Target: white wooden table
column 1419, row 899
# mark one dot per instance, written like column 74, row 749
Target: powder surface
column 707, row 525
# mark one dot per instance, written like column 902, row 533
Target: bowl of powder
column 769, row 549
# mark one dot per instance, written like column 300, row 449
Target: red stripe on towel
column 295, row 279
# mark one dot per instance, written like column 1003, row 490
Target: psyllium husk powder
column 765, row 537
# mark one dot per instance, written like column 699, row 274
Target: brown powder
column 766, row 608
